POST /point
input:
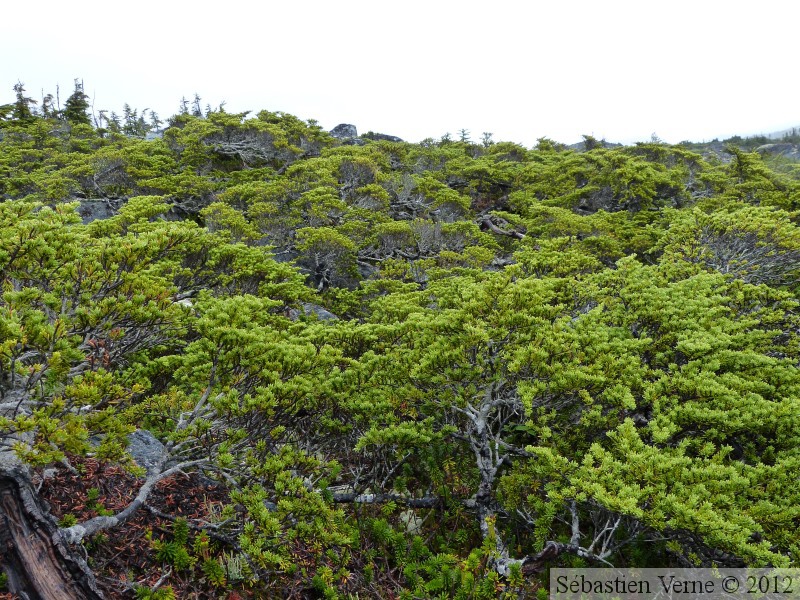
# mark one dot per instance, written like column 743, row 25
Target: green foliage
column 21, row 109
column 162, row 593
column 76, row 107
column 68, row 520
column 753, row 243
column 176, row 552
column 750, row 180
column 530, row 346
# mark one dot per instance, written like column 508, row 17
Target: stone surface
column 382, row 137
column 145, row 449
column 316, row 310
column 366, row 271
column 786, row 150
column 716, row 150
column 344, row 131
column 94, row 209
column 581, row 146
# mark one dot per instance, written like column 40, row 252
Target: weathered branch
column 487, row 222
column 33, row 556
column 76, row 533
column 426, row 502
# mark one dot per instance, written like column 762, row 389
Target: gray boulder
column 96, row 208
column 145, row 450
column 382, row 137
column 344, row 131
column 316, row 310
column 309, row 309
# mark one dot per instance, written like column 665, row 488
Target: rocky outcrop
column 344, row 131
column 786, row 150
column 601, row 199
column 382, row 137
column 348, row 134
column 319, row 312
column 92, row 209
column 314, row 311
column 587, row 145
column 716, row 150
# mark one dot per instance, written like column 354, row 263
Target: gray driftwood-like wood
column 33, row 555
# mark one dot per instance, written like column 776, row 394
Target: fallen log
column 38, row 564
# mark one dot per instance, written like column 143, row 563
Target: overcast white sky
column 616, row 69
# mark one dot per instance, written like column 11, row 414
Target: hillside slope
column 253, row 359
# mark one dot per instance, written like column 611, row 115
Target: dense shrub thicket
column 414, row 370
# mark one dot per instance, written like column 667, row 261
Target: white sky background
column 615, row 69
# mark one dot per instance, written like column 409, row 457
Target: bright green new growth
column 532, row 357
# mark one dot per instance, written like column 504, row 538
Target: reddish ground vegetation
column 122, row 557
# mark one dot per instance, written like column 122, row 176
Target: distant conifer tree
column 77, row 106
column 196, row 110
column 22, row 110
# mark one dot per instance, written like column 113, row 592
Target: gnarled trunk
column 33, row 556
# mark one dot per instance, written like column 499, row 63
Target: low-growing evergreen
column 381, row 369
